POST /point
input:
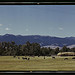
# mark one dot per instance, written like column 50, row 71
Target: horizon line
column 34, row 35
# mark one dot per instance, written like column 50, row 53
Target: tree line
column 29, row 49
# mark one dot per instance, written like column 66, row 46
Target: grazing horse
column 28, row 58
column 24, row 58
column 53, row 57
column 18, row 57
column 38, row 56
column 44, row 57
column 14, row 56
column 65, row 58
column 73, row 58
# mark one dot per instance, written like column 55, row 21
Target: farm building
column 66, row 54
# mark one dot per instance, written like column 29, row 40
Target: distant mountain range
column 42, row 40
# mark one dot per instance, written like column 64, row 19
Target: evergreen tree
column 65, row 49
column 57, row 50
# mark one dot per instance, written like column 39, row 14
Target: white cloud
column 7, row 28
column 60, row 28
column 1, row 24
column 27, row 30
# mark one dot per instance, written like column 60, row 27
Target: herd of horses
column 53, row 57
column 24, row 58
column 64, row 58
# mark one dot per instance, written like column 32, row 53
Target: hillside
column 42, row 40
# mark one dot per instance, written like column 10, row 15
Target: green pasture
column 37, row 63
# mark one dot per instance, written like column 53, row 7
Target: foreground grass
column 37, row 64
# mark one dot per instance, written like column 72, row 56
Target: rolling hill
column 42, row 40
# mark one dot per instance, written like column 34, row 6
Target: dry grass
column 37, row 64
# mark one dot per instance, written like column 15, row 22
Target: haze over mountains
column 45, row 41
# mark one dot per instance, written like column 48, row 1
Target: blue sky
column 50, row 20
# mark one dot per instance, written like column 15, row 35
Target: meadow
column 37, row 63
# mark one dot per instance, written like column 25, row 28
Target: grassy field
column 37, row 63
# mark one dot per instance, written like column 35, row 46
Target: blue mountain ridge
column 42, row 40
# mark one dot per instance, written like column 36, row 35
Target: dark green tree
column 56, row 50
column 65, row 49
